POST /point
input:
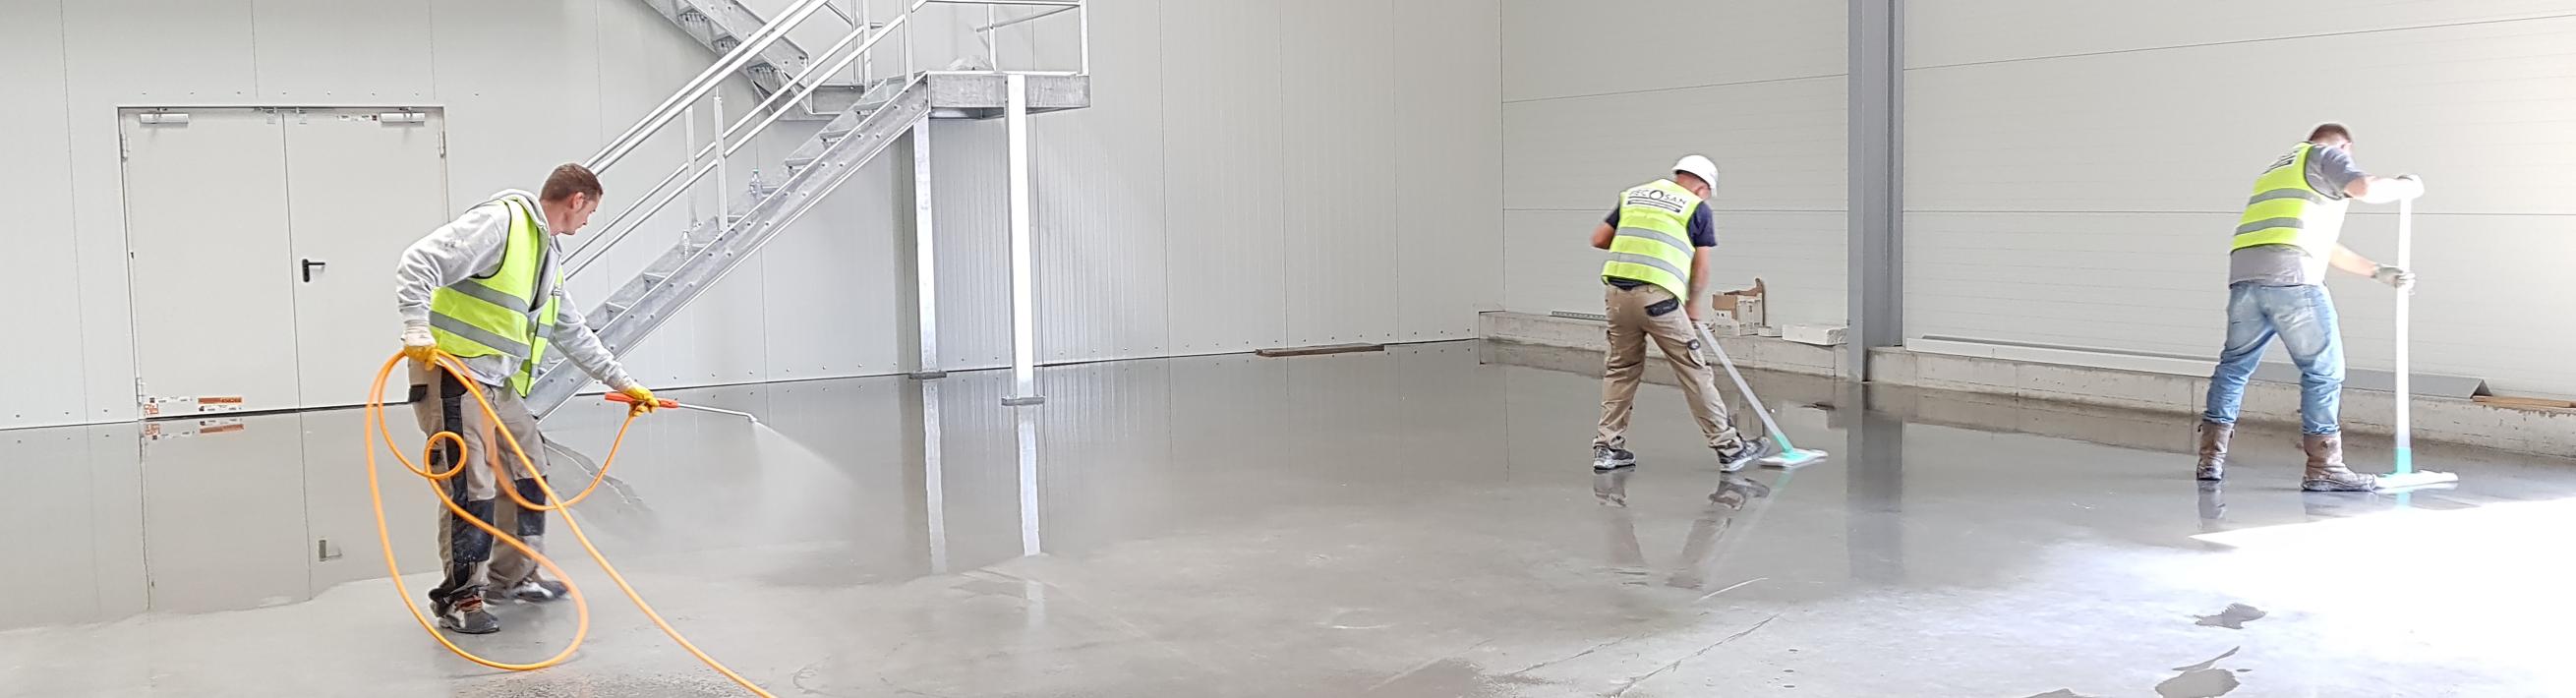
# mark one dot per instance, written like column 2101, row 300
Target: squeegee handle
column 1708, row 339
column 657, row 402
column 2405, row 452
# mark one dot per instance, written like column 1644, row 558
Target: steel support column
column 1877, row 165
column 925, row 259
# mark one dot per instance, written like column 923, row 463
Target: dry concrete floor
column 1419, row 522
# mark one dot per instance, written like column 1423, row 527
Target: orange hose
column 377, row 427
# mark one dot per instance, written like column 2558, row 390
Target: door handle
column 312, row 265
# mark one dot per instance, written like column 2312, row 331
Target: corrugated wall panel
column 44, row 381
column 1978, row 31
column 968, row 164
column 1103, row 245
column 1222, row 107
column 1780, row 201
column 1564, row 49
column 1155, row 237
column 2085, row 199
column 1449, row 152
column 1337, row 170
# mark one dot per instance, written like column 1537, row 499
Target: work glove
column 2402, row 279
column 419, row 345
column 644, row 400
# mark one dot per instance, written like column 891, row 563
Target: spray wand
column 668, row 403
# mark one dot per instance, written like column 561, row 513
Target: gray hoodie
column 472, row 246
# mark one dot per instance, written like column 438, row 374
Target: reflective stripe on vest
column 499, row 315
column 2285, row 210
column 1653, row 240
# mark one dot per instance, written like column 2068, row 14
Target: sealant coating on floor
column 1419, row 522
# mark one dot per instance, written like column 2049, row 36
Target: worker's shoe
column 531, row 591
column 1606, row 459
column 1744, row 453
column 464, row 613
column 2213, row 450
column 2325, row 467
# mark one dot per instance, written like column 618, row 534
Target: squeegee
column 2406, row 476
column 1789, row 456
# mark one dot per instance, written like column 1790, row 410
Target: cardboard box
column 1741, row 308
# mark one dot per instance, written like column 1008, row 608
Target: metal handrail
column 810, row 78
column 805, row 89
column 704, row 83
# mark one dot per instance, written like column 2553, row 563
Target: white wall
column 1596, row 100
column 1254, row 174
column 2074, row 170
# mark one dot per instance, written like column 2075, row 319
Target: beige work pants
column 1625, row 366
column 441, row 403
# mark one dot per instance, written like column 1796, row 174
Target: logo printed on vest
column 1657, row 199
column 2283, row 162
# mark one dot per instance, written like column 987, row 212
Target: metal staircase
column 722, row 25
column 866, row 121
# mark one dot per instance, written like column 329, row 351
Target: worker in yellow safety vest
column 488, row 288
column 2291, row 232
column 1660, row 239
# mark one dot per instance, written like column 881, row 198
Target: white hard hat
column 1699, row 166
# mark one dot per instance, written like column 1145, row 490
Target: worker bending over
column 2276, row 279
column 1660, row 238
column 488, row 288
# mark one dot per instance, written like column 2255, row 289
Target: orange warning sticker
column 220, row 400
column 221, row 429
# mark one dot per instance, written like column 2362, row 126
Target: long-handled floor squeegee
column 667, row 402
column 1789, row 456
column 2406, row 476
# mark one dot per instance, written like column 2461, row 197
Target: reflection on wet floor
column 1408, row 523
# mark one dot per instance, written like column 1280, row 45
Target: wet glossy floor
column 1421, row 522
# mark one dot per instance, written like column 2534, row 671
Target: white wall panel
column 1449, row 156
column 2484, row 108
column 45, row 383
column 1103, row 245
column 1222, row 109
column 1778, row 145
column 969, row 164
column 1338, row 170
column 2083, row 196
column 1554, row 48
column 310, row 55
column 1779, row 206
column 1189, row 127
column 1953, row 32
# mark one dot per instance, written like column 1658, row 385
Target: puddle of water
column 2234, row 618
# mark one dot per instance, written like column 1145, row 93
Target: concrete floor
column 1420, row 522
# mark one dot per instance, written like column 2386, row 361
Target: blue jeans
column 2304, row 318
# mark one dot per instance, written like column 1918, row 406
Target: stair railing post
column 723, row 217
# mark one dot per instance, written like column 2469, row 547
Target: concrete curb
column 2367, row 412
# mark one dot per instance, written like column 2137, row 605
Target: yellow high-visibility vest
column 2286, row 211
column 1653, row 243
column 502, row 314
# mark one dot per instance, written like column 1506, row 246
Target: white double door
column 262, row 246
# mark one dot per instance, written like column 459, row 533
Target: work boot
column 1606, row 459
column 1742, row 453
column 2325, row 467
column 531, row 591
column 463, row 612
column 2213, row 450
